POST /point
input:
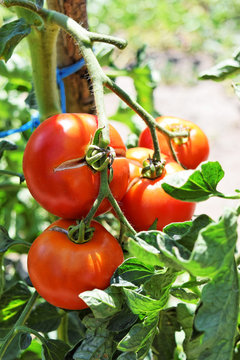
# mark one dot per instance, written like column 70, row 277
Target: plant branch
column 21, row 320
column 119, row 43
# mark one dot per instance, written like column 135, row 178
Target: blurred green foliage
column 189, row 25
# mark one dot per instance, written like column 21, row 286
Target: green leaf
column 141, row 304
column 185, row 296
column 6, row 242
column 12, row 303
column 75, row 328
column 44, row 318
column 185, row 318
column 186, row 233
column 25, row 341
column 127, row 356
column 195, row 185
column 159, row 285
column 123, row 320
column 6, row 145
column 33, row 352
column 11, row 34
column 221, row 71
column 54, row 350
column 216, row 318
column 164, row 342
column 139, row 335
column 132, row 273
column 213, row 246
column 102, row 303
column 97, row 343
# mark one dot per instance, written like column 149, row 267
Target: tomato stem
column 21, row 320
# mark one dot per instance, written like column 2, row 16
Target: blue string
column 60, row 74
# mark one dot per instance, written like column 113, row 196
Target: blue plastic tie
column 31, row 124
column 60, row 74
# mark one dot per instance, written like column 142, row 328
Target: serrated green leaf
column 186, row 232
column 103, row 303
column 97, row 343
column 216, row 318
column 10, row 35
column 6, row 145
column 123, row 320
column 195, row 185
column 139, row 335
column 214, row 244
column 221, row 71
column 44, row 318
column 76, row 329
column 12, row 303
column 132, row 273
column 54, row 350
column 164, row 342
column 141, row 304
column 159, row 285
column 186, row 296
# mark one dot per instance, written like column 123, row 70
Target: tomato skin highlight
column 145, row 201
column 60, row 270
column 190, row 153
column 70, row 193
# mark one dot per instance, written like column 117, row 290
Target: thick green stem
column 21, row 320
column 42, row 45
column 103, row 192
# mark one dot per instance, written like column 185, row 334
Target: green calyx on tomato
column 56, row 172
column 79, row 233
column 152, row 169
column 61, row 270
column 145, row 200
column 97, row 157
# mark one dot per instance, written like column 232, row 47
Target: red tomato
column 60, row 269
column 191, row 151
column 70, row 193
column 146, row 201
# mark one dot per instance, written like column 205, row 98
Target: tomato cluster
column 63, row 183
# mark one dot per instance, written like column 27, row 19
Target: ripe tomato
column 146, row 201
column 60, row 270
column 191, row 151
column 136, row 156
column 70, row 193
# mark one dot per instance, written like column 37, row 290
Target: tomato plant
column 55, row 169
column 60, row 269
column 76, row 165
column 146, row 201
column 191, row 150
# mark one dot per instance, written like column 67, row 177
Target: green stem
column 42, row 45
column 103, row 192
column 12, row 173
column 119, row 213
column 62, row 330
column 119, row 43
column 21, row 320
column 149, row 120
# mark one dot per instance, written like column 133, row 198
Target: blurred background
column 169, row 43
